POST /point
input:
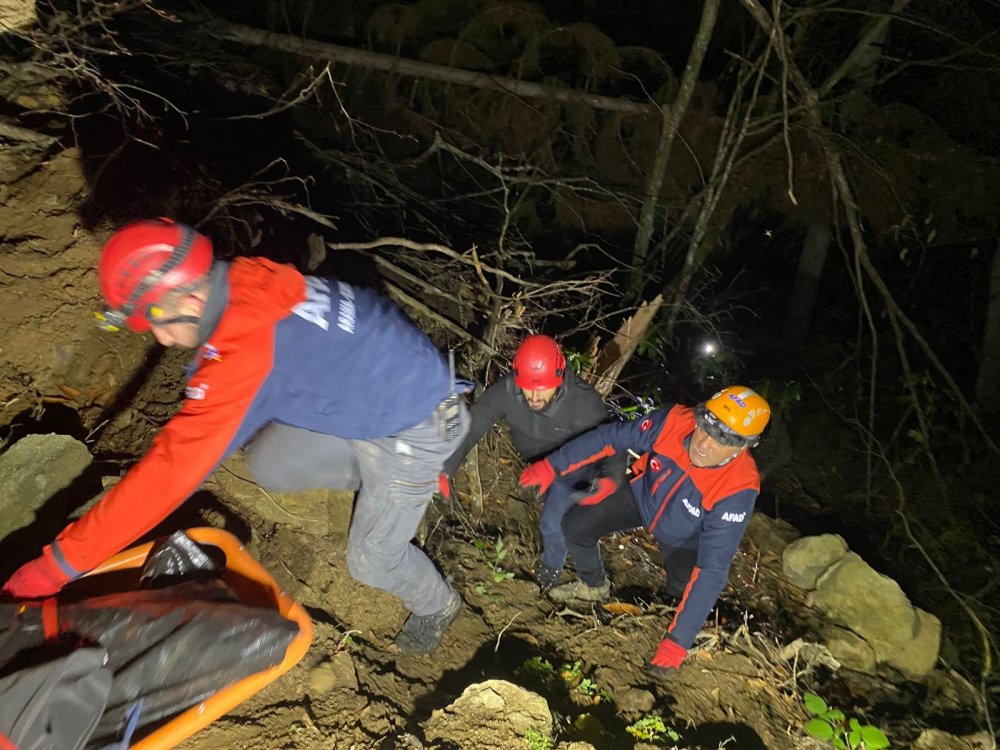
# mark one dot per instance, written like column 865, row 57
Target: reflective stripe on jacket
column 707, row 509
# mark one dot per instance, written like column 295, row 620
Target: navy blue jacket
column 706, row 509
column 306, row 351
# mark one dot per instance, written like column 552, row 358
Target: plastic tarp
column 176, row 638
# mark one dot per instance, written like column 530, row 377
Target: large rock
column 854, row 595
column 850, row 649
column 917, row 657
column 935, row 739
column 32, row 471
column 806, row 559
column 770, row 535
column 17, row 15
column 491, row 715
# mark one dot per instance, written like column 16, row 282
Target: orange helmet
column 735, row 416
column 142, row 262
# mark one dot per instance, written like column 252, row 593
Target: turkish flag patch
column 655, row 464
column 646, row 424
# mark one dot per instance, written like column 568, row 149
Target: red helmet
column 538, row 364
column 142, row 262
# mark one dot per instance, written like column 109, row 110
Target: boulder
column 770, row 535
column 491, row 715
column 32, row 471
column 806, row 559
column 854, row 595
column 17, row 15
column 935, row 739
column 850, row 649
column 917, row 657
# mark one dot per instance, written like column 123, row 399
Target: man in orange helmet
column 318, row 367
column 544, row 405
column 693, row 488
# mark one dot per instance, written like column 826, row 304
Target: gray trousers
column 397, row 475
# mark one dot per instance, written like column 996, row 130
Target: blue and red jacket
column 305, row 351
column 682, row 505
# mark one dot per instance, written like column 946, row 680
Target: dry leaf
column 621, row 608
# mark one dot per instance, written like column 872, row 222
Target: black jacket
column 575, row 408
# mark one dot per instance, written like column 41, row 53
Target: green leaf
column 834, row 715
column 814, row 704
column 854, row 739
column 855, row 725
column 874, row 738
column 839, row 743
column 819, row 729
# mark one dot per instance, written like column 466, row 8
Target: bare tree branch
column 391, row 64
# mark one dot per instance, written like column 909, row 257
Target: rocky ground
column 514, row 671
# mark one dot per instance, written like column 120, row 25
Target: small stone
column 322, row 679
column 635, row 700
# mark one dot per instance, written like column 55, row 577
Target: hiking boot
column 421, row 634
column 546, row 577
column 578, row 591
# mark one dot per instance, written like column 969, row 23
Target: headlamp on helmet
column 143, row 262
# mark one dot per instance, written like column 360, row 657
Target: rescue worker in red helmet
column 543, row 404
column 309, row 367
column 693, row 488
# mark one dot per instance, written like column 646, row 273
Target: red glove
column 668, row 656
column 604, row 487
column 40, row 577
column 444, row 486
column 539, row 474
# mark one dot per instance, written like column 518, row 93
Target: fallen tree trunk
column 391, row 64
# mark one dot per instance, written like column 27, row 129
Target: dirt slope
column 353, row 689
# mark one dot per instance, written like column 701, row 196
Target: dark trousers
column 584, row 526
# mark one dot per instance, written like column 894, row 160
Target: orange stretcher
column 254, row 586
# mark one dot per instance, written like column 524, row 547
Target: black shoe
column 421, row 634
column 670, row 598
column 546, row 577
